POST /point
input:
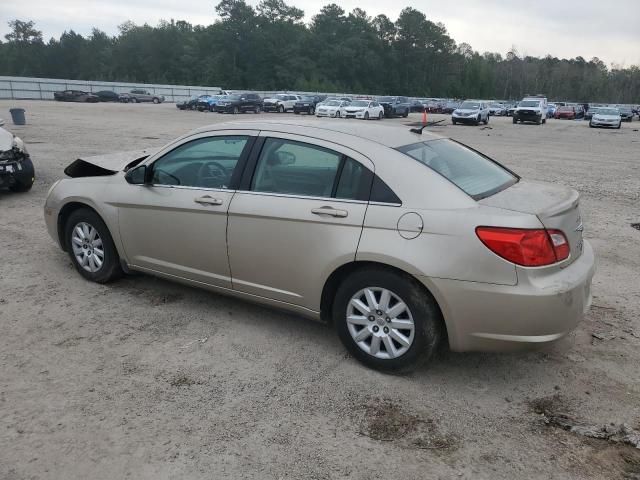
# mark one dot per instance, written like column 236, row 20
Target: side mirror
column 137, row 175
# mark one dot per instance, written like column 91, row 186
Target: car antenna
column 419, row 130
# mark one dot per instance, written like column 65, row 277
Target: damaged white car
column 16, row 168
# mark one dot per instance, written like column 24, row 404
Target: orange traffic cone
column 424, row 116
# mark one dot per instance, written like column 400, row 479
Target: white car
column 332, row 108
column 606, row 117
column 364, row 109
column 471, row 111
column 280, row 103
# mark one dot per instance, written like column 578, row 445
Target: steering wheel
column 205, row 171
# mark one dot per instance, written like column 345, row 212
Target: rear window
column 476, row 175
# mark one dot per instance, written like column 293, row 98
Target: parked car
column 511, row 109
column 606, row 117
column 16, row 168
column 531, row 109
column 449, row 107
column 307, row 104
column 625, row 113
column 471, row 111
column 75, row 96
column 566, row 112
column 138, row 95
column 551, row 110
column 283, row 102
column 497, row 109
column 207, row 103
column 332, row 108
column 395, row 106
column 107, row 96
column 364, row 109
column 417, row 105
column 399, row 239
column 189, row 104
column 240, row 103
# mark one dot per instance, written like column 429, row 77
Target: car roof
column 387, row 135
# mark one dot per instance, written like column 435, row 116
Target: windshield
column 497, row 105
column 607, row 111
column 470, row 106
column 529, row 103
column 333, row 103
column 476, row 175
column 307, row 99
column 233, row 97
column 565, row 109
column 624, row 109
column 385, row 99
column 359, row 103
column 281, row 97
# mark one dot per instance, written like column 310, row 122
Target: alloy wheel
column 87, row 247
column 380, row 323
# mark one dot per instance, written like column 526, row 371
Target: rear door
column 298, row 216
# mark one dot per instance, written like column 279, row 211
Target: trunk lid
column 556, row 207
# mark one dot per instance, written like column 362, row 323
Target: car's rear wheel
column 91, row 247
column 380, row 116
column 405, row 114
column 156, row 100
column 386, row 320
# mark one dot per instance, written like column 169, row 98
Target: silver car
column 401, row 239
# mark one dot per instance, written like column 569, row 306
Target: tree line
column 270, row 47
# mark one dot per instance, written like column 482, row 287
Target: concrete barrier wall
column 31, row 88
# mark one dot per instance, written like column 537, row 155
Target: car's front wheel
column 281, row 109
column 91, row 247
column 380, row 116
column 366, row 115
column 386, row 320
column 24, row 180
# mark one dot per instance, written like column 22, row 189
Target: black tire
column 366, row 115
column 590, row 125
column 405, row 114
column 426, row 316
column 24, row 180
column 281, row 109
column 338, row 114
column 110, row 268
column 380, row 116
column 486, row 122
column 212, row 108
column 619, row 125
column 515, row 120
column 257, row 109
column 236, row 110
column 156, row 100
column 454, row 121
column 312, row 110
column 296, row 112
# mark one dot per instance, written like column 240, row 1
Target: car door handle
column 332, row 212
column 207, row 200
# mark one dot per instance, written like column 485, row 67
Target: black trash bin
column 17, row 115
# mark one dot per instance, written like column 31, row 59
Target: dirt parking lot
column 147, row 379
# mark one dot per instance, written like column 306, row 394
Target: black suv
column 395, row 106
column 240, row 103
column 308, row 104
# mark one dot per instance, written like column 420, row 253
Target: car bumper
column 601, row 123
column 269, row 108
column 224, row 109
column 529, row 117
column 300, row 109
column 472, row 119
column 325, row 114
column 540, row 309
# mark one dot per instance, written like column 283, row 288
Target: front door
column 177, row 224
column 299, row 218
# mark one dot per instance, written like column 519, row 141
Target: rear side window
column 473, row 173
column 296, row 168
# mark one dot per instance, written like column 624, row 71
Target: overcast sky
column 609, row 30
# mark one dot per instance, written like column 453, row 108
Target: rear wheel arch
column 334, row 280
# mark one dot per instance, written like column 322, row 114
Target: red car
column 568, row 113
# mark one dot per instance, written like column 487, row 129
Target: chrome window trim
column 304, row 197
column 188, row 187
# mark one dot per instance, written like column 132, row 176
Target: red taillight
column 526, row 247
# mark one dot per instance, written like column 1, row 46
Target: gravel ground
column 148, row 379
